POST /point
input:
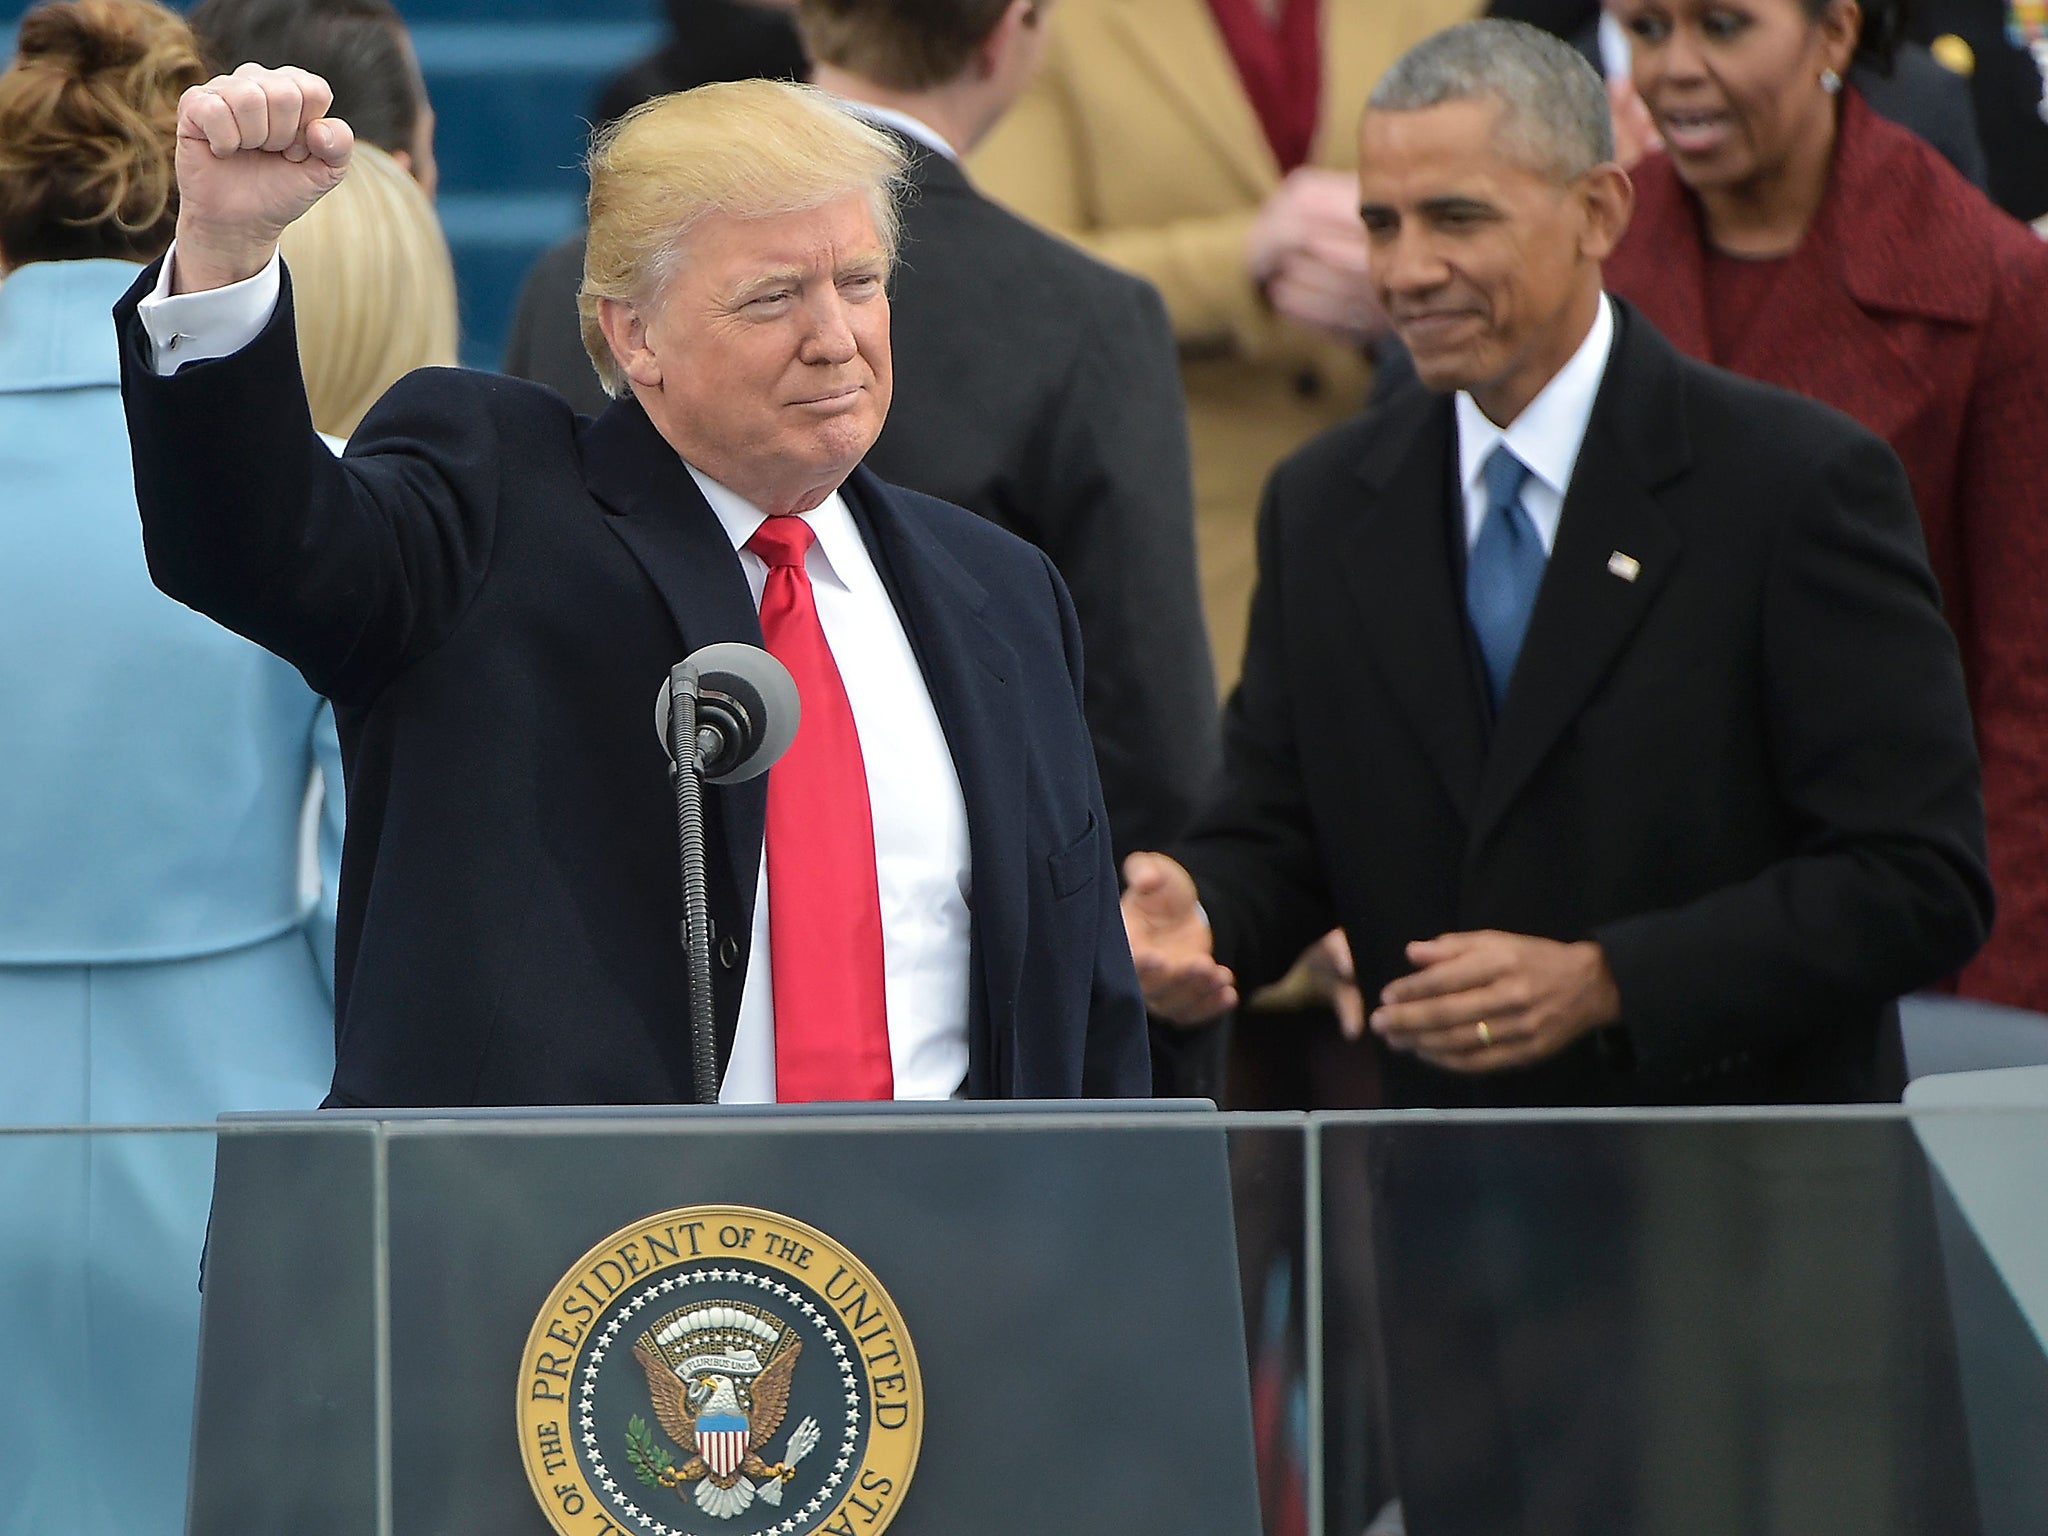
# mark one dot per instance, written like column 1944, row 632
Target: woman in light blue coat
column 158, row 960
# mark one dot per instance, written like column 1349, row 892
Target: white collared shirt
column 193, row 327
column 1546, row 436
column 922, row 868
column 910, row 127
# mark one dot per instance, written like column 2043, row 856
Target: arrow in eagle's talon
column 802, row 1440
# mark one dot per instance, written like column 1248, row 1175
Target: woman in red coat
column 1787, row 232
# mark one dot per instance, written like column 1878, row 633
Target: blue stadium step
column 494, row 239
column 512, row 104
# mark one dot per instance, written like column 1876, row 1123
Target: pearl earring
column 1830, row 81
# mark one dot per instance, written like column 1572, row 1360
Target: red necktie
column 824, row 912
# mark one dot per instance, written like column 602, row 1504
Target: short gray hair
column 1556, row 105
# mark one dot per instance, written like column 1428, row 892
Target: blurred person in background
column 2000, row 48
column 1039, row 388
column 375, row 290
column 157, row 962
column 1787, row 232
column 1209, row 146
column 710, row 40
column 1911, row 87
column 361, row 48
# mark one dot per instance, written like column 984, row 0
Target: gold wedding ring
column 1485, row 1035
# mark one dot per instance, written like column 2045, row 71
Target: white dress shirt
column 193, row 327
column 922, row 867
column 1546, row 436
column 921, row 857
column 910, row 127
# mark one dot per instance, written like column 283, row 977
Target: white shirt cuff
column 193, row 327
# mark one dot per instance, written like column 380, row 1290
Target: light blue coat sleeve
column 326, row 744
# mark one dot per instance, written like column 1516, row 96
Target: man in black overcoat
column 1605, row 701
column 492, row 590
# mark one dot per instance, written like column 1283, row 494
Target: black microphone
column 747, row 710
column 731, row 710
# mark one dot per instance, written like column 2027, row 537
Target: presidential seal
column 717, row 1370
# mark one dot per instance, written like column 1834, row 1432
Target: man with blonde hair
column 493, row 590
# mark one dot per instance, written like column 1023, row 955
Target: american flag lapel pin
column 1627, row 567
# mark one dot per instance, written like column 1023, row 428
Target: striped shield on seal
column 722, row 1441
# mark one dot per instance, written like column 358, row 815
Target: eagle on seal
column 721, row 1471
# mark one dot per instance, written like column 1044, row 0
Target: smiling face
column 1489, row 269
column 1734, row 85
column 765, row 360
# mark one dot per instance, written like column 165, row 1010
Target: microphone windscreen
column 749, row 697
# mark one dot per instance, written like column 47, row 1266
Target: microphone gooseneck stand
column 725, row 714
column 686, row 768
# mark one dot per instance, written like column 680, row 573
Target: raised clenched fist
column 255, row 150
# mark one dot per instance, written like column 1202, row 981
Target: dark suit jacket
column 1041, row 388
column 1921, row 310
column 491, row 590
column 546, row 340
column 1747, row 773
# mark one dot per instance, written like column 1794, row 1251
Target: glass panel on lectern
column 290, row 1412
column 102, row 1233
column 1775, row 1323
column 1270, row 1203
column 935, row 1319
column 99, row 1289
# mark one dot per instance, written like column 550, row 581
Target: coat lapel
column 1890, row 197
column 1178, row 44
column 1401, row 573
column 968, row 670
column 1585, row 612
column 1843, row 289
column 663, row 520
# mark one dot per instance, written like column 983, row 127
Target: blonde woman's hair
column 88, row 131
column 372, row 288
column 745, row 148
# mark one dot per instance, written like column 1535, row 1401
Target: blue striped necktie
column 1504, row 570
